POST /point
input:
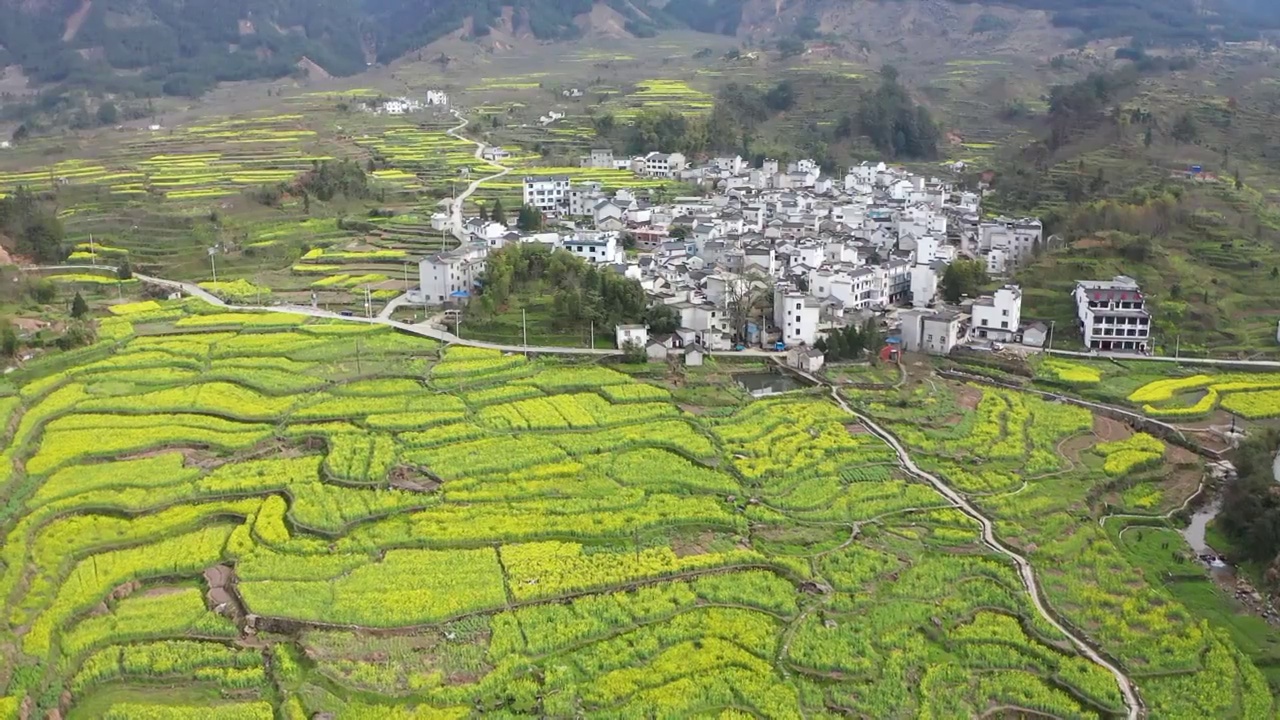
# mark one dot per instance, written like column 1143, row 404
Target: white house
column 437, row 97
column 600, row 159
column 451, row 276
column 931, row 332
column 637, row 335
column 548, row 193
column 663, row 165
column 595, row 248
column 1113, row 315
column 809, row 360
column 797, row 315
column 494, row 153
column 997, row 316
column 924, row 286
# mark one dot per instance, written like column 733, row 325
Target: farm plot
column 1253, row 396
column 545, row 539
column 1048, row 513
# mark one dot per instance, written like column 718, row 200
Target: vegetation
column 35, row 231
column 1250, row 514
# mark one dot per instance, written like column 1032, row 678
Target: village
column 778, row 257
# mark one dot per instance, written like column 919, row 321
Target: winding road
column 455, row 210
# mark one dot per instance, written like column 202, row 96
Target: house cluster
column 777, row 254
column 403, row 105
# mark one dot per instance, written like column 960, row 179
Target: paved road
column 425, row 329
column 1272, row 364
column 455, row 211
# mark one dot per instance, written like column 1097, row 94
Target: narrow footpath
column 1025, row 570
column 1128, row 689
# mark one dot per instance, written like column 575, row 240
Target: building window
column 798, row 306
column 1004, row 324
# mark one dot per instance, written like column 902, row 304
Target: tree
column 78, row 306
column 628, row 240
column 1147, row 138
column 22, row 133
column 1185, row 129
column 530, row 219
column 42, row 291
column 791, row 46
column 484, row 212
column 963, row 277
column 78, row 334
column 8, row 338
column 498, row 215
column 108, row 114
column 124, row 271
column 1239, row 182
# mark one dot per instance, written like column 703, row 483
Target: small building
column 694, row 355
column 931, row 332
column 637, row 335
column 807, row 359
column 1035, row 334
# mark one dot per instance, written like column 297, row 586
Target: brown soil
column 30, row 324
column 314, row 71
column 968, row 397
column 1109, row 430
column 691, row 409
column 856, row 429
column 1090, row 242
column 1072, row 448
column 685, row 546
column 76, row 19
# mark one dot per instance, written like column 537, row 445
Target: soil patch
column 1109, row 430
column 968, row 397
column 856, row 429
column 1071, row 448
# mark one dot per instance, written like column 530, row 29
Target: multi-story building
column 931, row 332
column 997, row 316
column 548, row 193
column 450, row 277
column 797, row 315
column 1113, row 315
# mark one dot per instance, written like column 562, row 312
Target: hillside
column 148, row 48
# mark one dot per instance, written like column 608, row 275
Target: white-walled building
column 931, row 332
column 548, row 193
column 451, row 276
column 662, row 165
column 637, row 335
column 997, row 316
column 1113, row 315
column 797, row 315
column 595, row 248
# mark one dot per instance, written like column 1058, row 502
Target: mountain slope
column 185, row 46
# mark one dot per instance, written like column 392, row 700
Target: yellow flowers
column 1068, row 373
column 1126, row 456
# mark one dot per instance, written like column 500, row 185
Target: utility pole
column 1049, row 345
column 1177, row 345
column 93, row 253
column 368, row 303
column 212, row 265
column 593, row 334
column 357, row 355
column 524, row 328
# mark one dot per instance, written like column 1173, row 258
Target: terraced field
column 262, row 516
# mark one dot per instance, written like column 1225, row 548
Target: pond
column 762, row 384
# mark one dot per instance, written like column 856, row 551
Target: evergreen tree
column 78, row 306
column 498, row 215
column 530, row 219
